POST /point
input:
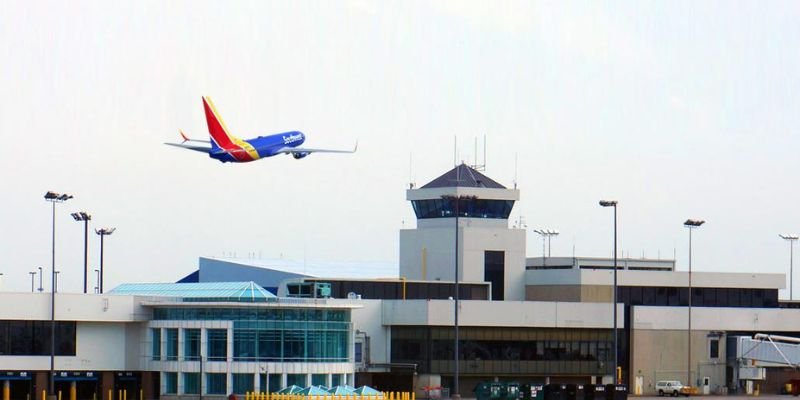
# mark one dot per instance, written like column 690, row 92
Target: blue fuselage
column 257, row 148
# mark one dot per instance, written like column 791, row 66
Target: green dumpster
column 489, row 391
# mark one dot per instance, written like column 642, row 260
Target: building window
column 156, row 344
column 242, row 383
column 713, row 348
column 274, row 383
column 191, row 344
column 494, row 272
column 191, row 383
column 172, row 344
column 32, row 338
column 216, row 383
column 170, row 382
column 296, row 379
column 336, row 380
column 358, row 354
column 217, row 344
column 244, row 344
column 319, row 379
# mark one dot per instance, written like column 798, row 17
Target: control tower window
column 470, row 208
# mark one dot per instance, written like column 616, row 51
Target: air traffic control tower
column 488, row 250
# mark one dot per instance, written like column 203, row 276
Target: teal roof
column 209, row 291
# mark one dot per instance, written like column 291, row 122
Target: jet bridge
column 769, row 350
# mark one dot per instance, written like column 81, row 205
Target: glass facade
column 216, row 383
column 242, row 383
column 217, row 345
column 172, row 344
column 319, row 379
column 296, row 379
column 191, row 344
column 32, row 338
column 171, row 382
column 191, row 383
column 266, row 334
column 471, row 208
column 505, row 350
column 701, row 297
column 274, row 383
column 156, row 349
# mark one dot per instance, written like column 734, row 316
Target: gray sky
column 677, row 109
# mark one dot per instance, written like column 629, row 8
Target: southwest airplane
column 228, row 148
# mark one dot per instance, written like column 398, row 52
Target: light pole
column 791, row 239
column 97, row 281
column 691, row 224
column 33, row 275
column 103, row 232
column 455, row 201
column 82, row 216
column 41, row 289
column 547, row 235
column 53, row 198
column 613, row 203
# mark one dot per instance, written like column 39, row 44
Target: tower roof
column 463, row 176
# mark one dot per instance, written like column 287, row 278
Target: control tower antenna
column 515, row 170
column 476, row 166
column 411, row 179
column 455, row 151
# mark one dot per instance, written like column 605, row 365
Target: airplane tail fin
column 220, row 136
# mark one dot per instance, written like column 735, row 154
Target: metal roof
column 463, row 176
column 210, row 291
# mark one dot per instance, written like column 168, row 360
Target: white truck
column 672, row 388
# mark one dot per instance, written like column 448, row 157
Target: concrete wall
column 100, row 346
column 501, row 314
column 367, row 319
column 661, row 355
column 428, row 253
column 546, row 277
column 72, row 307
column 659, row 339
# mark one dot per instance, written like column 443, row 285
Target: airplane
column 225, row 147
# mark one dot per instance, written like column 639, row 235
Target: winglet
column 185, row 139
column 356, row 146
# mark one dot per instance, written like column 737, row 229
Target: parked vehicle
column 672, row 388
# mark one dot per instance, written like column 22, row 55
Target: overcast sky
column 678, row 109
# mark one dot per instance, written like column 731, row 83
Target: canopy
column 290, row 390
column 314, row 391
column 342, row 390
column 367, row 391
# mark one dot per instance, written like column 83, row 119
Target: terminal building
column 235, row 326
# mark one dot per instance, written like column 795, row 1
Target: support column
column 39, row 384
column 107, row 383
column 6, row 390
column 147, row 385
column 73, row 390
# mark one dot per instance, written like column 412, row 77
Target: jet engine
column 299, row 155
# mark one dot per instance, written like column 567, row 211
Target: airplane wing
column 294, row 150
column 203, row 149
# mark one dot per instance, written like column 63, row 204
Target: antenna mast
column 476, row 166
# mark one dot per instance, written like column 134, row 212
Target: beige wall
column 661, row 355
